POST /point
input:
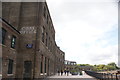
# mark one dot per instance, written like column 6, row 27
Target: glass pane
column 10, row 66
column 3, row 35
column 13, row 42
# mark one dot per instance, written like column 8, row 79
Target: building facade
column 37, row 53
column 60, row 56
column 70, row 65
column 9, row 45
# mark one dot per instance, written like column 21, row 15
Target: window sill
column 9, row 74
column 45, row 73
column 41, row 74
column 3, row 45
column 12, row 48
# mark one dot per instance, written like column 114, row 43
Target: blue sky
column 86, row 30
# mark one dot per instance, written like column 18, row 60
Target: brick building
column 9, row 44
column 36, row 54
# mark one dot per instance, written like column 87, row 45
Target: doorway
column 27, row 70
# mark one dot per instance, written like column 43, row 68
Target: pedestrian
column 61, row 72
column 67, row 72
column 58, row 72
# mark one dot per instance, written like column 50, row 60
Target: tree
column 112, row 64
column 101, row 67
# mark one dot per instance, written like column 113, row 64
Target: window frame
column 44, row 12
column 45, row 68
column 46, row 39
column 43, row 34
column 4, row 32
column 13, row 43
column 10, row 66
column 41, row 64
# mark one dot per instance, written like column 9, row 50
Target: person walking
column 58, row 72
column 61, row 72
column 67, row 72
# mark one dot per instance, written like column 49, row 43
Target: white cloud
column 60, row 1
column 82, row 29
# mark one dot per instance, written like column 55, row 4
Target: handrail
column 104, row 76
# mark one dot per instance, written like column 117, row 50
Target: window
column 48, row 65
column 45, row 64
column 41, row 65
column 0, row 65
column 3, row 36
column 51, row 46
column 46, row 39
column 43, row 30
column 10, row 66
column 47, row 19
column 65, row 62
column 44, row 12
column 49, row 43
column 13, row 42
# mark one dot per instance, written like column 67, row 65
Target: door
column 27, row 70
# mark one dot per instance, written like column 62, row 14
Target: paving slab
column 71, row 77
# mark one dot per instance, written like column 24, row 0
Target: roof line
column 9, row 25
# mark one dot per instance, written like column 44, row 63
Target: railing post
column 116, row 77
column 107, row 76
column 102, row 76
column 111, row 76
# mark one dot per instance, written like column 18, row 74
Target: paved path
column 71, row 77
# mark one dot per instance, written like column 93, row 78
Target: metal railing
column 104, row 76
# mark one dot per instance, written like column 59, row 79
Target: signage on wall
column 29, row 45
column 28, row 30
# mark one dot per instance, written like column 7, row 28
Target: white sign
column 28, row 30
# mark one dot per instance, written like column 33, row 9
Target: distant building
column 28, row 42
column 70, row 65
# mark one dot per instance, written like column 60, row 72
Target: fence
column 104, row 76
